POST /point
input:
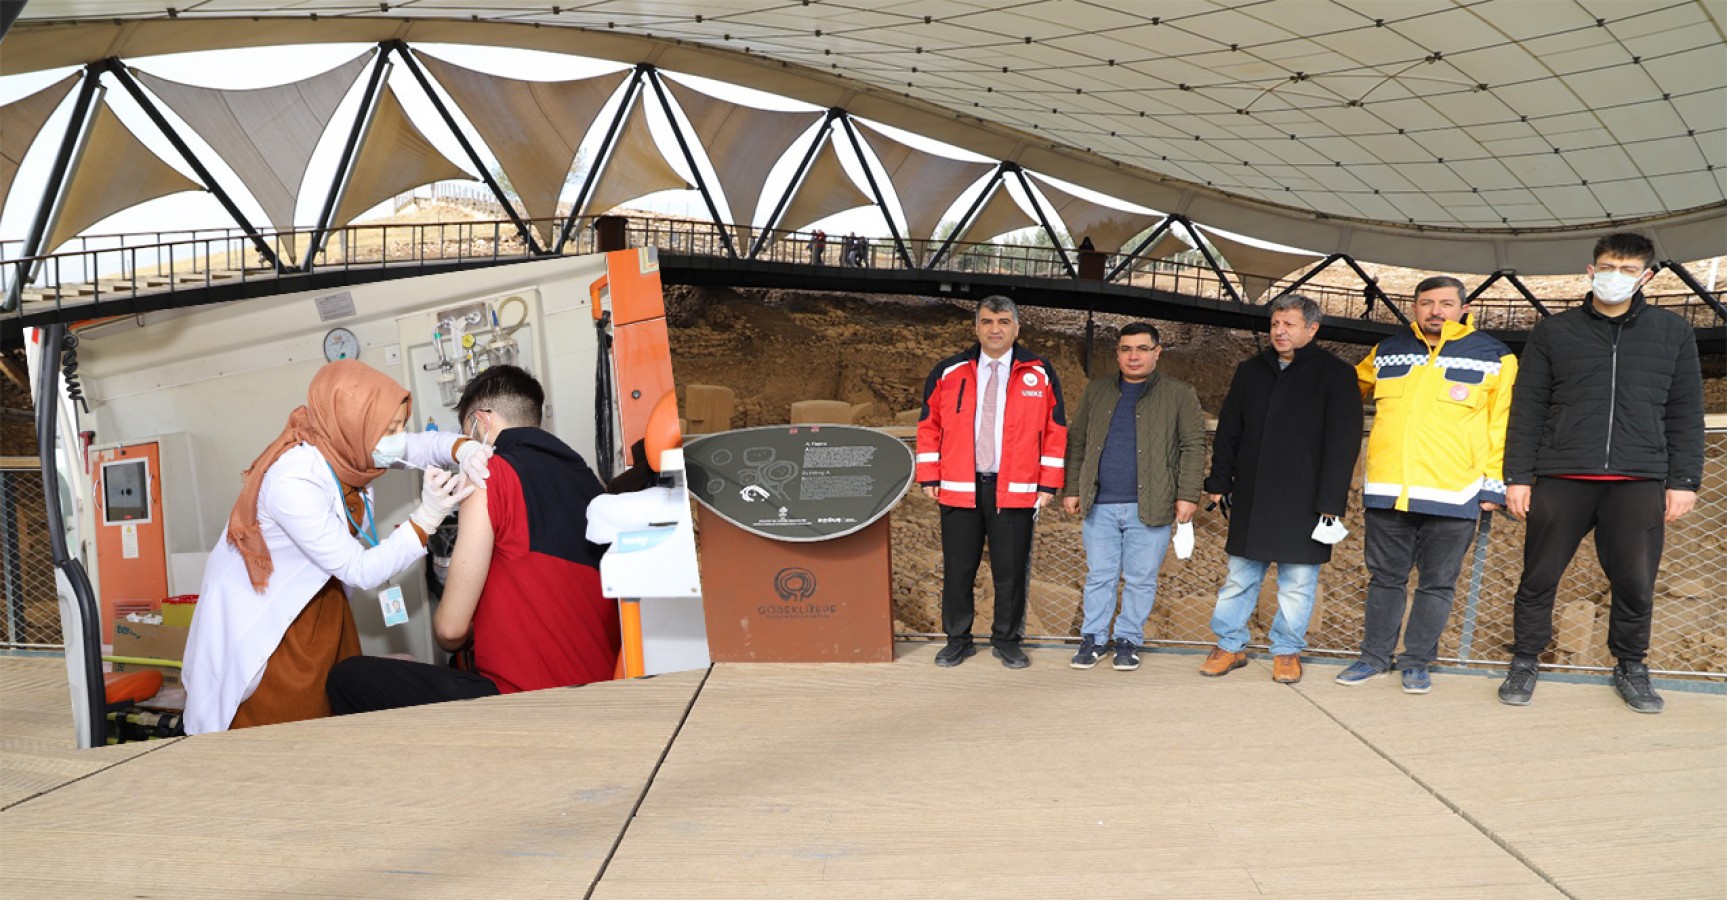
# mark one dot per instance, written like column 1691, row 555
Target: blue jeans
column 1119, row 547
column 1239, row 596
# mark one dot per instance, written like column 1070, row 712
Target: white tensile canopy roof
column 1463, row 135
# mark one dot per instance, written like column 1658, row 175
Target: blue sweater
column 1117, row 468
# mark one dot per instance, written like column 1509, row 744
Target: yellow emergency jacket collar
column 1451, row 332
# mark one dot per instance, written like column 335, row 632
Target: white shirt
column 984, row 361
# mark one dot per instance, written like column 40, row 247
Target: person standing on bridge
column 1606, row 434
column 1287, row 440
column 1135, row 467
column 1441, row 392
column 989, row 450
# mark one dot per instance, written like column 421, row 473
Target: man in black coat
column 1606, row 433
column 1287, row 441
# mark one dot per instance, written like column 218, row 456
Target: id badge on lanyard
column 390, row 600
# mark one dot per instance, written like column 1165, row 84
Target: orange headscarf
column 348, row 408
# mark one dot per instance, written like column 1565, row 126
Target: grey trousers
column 1434, row 546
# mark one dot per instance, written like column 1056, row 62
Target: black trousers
column 1628, row 520
column 1397, row 541
column 963, row 535
column 369, row 683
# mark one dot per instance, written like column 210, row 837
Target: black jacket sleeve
column 1529, row 399
column 1223, row 447
column 1342, row 439
column 1685, row 418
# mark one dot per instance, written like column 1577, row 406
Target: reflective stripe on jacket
column 1033, row 431
column 1438, row 440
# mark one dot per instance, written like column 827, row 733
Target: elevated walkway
column 895, row 780
column 151, row 273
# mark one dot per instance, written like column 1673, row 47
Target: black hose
column 69, row 370
column 55, row 340
column 605, row 438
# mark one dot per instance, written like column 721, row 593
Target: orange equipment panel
column 131, row 552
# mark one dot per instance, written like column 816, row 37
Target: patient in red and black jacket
column 524, row 586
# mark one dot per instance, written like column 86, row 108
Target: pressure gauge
column 340, row 343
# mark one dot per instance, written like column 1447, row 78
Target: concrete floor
column 895, row 780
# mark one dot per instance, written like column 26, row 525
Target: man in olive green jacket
column 1135, row 464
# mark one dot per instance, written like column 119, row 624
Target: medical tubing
column 69, row 369
column 520, row 321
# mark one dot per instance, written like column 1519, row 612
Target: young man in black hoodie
column 1606, row 434
column 524, row 583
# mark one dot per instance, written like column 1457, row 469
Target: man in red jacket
column 990, row 447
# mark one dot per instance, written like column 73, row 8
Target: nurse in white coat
column 273, row 617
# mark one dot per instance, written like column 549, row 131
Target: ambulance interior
column 180, row 402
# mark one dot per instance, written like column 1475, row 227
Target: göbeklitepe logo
column 795, row 583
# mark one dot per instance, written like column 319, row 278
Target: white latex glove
column 475, row 460
column 442, row 493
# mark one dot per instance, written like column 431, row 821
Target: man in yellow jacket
column 1442, row 395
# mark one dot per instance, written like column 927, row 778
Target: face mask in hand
column 390, row 450
column 1615, row 287
column 1329, row 530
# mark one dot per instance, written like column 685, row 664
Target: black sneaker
column 1631, row 680
column 954, row 654
column 1011, row 656
column 1519, row 684
column 1090, row 651
column 1126, row 656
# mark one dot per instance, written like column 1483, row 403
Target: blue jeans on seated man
column 1239, row 596
column 1119, row 547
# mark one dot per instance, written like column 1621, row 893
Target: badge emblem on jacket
column 1460, row 392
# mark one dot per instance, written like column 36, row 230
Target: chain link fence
column 1689, row 632
column 32, row 612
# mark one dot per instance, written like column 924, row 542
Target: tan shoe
column 1286, row 669
column 1222, row 662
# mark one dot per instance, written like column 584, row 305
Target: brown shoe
column 1222, row 662
column 1286, row 669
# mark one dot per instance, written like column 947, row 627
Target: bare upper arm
column 470, row 563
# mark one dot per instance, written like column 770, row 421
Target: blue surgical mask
column 390, row 449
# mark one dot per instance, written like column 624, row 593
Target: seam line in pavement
column 114, row 765
column 649, row 784
column 1458, row 810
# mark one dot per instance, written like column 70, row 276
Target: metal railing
column 102, row 268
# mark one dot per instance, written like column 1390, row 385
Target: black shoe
column 954, row 654
column 1011, row 656
column 1090, row 651
column 1631, row 680
column 1519, row 684
column 1126, row 656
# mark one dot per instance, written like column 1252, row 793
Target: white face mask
column 390, row 449
column 1614, row 287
